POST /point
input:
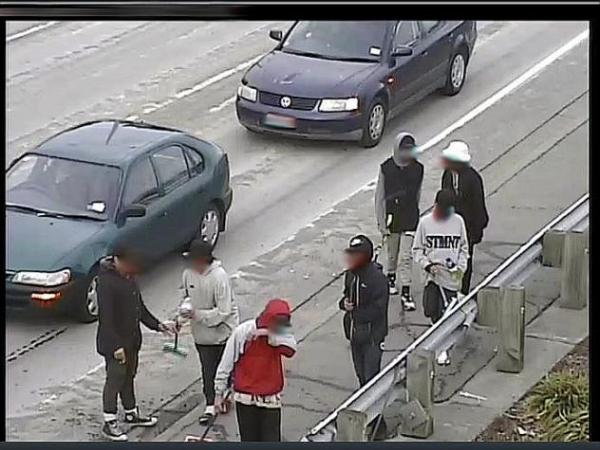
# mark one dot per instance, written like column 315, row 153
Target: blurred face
column 200, row 265
column 405, row 154
column 354, row 260
column 446, row 164
column 128, row 267
column 279, row 325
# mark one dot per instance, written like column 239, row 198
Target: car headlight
column 338, row 104
column 247, row 92
column 47, row 279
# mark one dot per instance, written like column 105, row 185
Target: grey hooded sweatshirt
column 216, row 314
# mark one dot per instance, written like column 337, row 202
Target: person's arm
column 446, row 180
column 147, row 318
column 380, row 203
column 419, row 250
column 233, row 350
column 346, row 293
column 107, row 315
column 223, row 301
column 479, row 200
column 463, row 253
column 285, row 343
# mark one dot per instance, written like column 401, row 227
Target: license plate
column 273, row 120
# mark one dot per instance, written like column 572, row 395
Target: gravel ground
column 515, row 425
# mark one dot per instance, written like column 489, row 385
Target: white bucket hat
column 457, row 151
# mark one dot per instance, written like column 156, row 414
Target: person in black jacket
column 397, row 210
column 467, row 185
column 365, row 301
column 119, row 338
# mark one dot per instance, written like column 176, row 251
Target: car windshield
column 351, row 41
column 62, row 187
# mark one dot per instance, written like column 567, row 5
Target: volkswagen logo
column 285, row 102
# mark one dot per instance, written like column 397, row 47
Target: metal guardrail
column 383, row 389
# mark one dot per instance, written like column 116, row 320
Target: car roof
column 110, row 142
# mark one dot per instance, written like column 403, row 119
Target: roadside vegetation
column 556, row 409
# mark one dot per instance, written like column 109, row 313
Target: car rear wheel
column 85, row 308
column 374, row 124
column 210, row 225
column 456, row 73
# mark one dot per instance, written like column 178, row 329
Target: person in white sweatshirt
column 209, row 305
column 441, row 249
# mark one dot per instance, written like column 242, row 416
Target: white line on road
column 222, row 105
column 29, row 31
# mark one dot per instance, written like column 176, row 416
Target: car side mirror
column 402, row 51
column 276, row 35
column 135, row 211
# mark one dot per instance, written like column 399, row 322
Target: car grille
column 301, row 103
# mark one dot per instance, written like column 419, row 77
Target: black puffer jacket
column 120, row 311
column 470, row 203
column 368, row 289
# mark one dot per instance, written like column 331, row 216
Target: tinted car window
column 63, row 186
column 195, row 161
column 141, row 184
column 429, row 25
column 361, row 40
column 171, row 167
column 406, row 33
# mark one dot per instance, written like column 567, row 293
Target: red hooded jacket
column 259, row 369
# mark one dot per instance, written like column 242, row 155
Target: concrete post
column 488, row 306
column 511, row 330
column 351, row 426
column 417, row 419
column 552, row 247
column 573, row 269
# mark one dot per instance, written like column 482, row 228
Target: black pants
column 433, row 302
column 367, row 360
column 258, row 424
column 119, row 383
column 210, row 356
column 466, row 281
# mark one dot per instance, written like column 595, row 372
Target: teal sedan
column 91, row 187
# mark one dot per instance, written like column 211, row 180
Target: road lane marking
column 510, row 87
column 223, row 104
column 31, row 30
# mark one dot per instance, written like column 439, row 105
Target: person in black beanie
column 397, row 210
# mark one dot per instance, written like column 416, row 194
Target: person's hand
column 167, row 327
column 119, row 355
column 220, row 404
column 260, row 332
column 187, row 314
column 348, row 305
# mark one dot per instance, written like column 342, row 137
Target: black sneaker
column 112, row 431
column 136, row 420
column 408, row 303
column 392, row 283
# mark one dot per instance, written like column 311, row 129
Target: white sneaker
column 443, row 358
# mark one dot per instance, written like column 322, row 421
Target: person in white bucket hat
column 467, row 185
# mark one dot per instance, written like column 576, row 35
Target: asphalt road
column 185, row 74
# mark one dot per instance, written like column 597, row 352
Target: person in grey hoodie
column 397, row 211
column 210, row 306
column 441, row 249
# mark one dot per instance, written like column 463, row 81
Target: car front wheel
column 374, row 124
column 210, row 225
column 456, row 73
column 85, row 308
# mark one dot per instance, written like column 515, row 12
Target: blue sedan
column 345, row 80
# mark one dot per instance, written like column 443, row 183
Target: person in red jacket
column 252, row 363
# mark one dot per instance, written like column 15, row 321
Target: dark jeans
column 119, row 382
column 210, row 356
column 367, row 360
column 258, row 424
column 466, row 281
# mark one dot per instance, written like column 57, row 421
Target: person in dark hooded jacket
column 119, row 338
column 365, row 301
column 467, row 185
column 252, row 363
